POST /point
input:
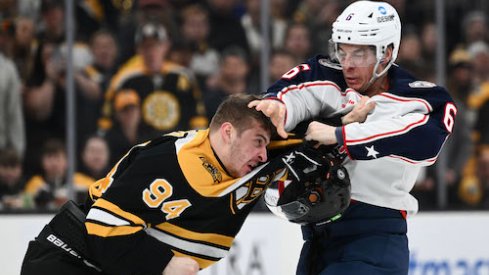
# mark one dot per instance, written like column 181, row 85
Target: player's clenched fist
column 181, row 266
column 322, row 133
column 273, row 109
column 359, row 112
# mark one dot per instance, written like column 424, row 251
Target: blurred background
column 82, row 81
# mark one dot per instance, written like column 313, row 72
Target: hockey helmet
column 370, row 23
column 316, row 199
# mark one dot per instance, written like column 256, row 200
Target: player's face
column 248, row 150
column 357, row 63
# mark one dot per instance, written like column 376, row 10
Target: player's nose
column 262, row 154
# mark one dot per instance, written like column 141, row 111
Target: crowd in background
column 136, row 61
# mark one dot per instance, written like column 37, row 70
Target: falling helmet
column 320, row 195
column 369, row 23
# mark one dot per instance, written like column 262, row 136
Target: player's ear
column 226, row 131
column 387, row 56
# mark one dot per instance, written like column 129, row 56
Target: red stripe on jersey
column 391, row 133
column 404, row 99
column 413, row 161
column 307, row 85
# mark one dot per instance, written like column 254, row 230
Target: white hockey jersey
column 405, row 131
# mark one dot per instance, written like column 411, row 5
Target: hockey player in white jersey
column 404, row 132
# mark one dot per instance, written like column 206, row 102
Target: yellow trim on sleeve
column 111, row 231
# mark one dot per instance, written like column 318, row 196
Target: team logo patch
column 422, row 84
column 216, row 175
column 161, row 110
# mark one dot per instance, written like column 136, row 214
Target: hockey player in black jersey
column 172, row 205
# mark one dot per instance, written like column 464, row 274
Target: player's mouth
column 351, row 80
column 251, row 166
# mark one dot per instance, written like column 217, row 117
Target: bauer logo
column 59, row 243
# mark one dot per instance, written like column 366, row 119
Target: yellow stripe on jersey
column 203, row 263
column 111, row 231
column 112, row 208
column 200, row 166
column 218, row 239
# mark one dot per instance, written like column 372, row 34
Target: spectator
column 483, row 173
column 298, row 41
column 318, row 16
column 49, row 189
column 12, row 132
column 479, row 54
column 24, row 46
column 170, row 97
column 127, row 130
column 471, row 190
column 475, row 28
column 222, row 21
column 280, row 63
column 146, row 11
column 92, row 81
column 12, row 181
column 95, row 157
column 44, row 96
column 251, row 22
column 411, row 54
column 195, row 31
column 231, row 79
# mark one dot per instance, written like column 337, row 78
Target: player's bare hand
column 322, row 133
column 273, row 109
column 359, row 112
column 181, row 266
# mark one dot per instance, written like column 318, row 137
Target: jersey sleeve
column 411, row 129
column 310, row 90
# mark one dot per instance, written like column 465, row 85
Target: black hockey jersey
column 170, row 196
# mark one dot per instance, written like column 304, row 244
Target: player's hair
column 234, row 109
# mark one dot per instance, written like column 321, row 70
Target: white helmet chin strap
column 376, row 75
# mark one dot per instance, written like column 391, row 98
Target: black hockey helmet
column 319, row 195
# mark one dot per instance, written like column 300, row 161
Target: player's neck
column 379, row 86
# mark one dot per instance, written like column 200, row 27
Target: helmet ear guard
column 320, row 195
